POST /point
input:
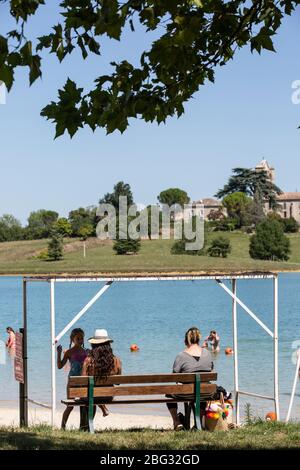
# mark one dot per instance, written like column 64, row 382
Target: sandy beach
column 115, row 420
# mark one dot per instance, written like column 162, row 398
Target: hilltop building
column 288, row 202
column 265, row 166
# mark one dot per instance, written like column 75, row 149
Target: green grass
column 257, row 436
column 155, row 256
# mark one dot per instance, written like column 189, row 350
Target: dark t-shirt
column 185, row 363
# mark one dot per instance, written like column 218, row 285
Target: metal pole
column 235, row 350
column 294, row 387
column 276, row 388
column 244, row 307
column 83, row 310
column 53, row 365
column 23, row 387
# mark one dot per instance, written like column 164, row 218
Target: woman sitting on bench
column 192, row 359
column 101, row 361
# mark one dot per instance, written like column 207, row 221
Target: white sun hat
column 100, row 336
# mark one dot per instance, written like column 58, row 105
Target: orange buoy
column 228, row 351
column 271, row 416
column 134, row 348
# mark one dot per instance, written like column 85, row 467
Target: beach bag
column 218, row 415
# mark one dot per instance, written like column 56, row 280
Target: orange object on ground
column 134, row 348
column 271, row 416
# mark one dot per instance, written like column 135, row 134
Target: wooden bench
column 87, row 392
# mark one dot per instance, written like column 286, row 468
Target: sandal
column 179, row 427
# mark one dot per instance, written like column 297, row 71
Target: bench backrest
column 150, row 384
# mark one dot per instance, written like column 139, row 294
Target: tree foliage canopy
column 120, row 189
column 236, row 204
column 80, row 218
column 10, row 228
column 173, row 196
column 193, row 37
column 269, row 242
column 40, row 223
column 251, row 183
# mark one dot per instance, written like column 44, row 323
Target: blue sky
column 246, row 115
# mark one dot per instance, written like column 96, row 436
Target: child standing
column 76, row 355
column 11, row 342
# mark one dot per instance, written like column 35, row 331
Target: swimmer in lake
column 213, row 339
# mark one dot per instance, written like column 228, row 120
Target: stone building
column 288, row 202
column 289, row 205
column 201, row 208
column 265, row 166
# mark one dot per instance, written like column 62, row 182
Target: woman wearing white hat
column 101, row 360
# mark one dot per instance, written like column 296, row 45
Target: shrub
column 63, row 227
column 248, row 229
column 127, row 247
column 219, row 247
column 178, row 248
column 42, row 255
column 226, row 225
column 274, row 216
column 55, row 247
column 269, row 242
column 85, row 231
column 290, row 225
column 216, row 214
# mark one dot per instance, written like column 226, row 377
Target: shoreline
column 46, row 275
column 38, row 416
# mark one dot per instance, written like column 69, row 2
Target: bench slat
column 145, row 378
column 140, row 390
column 132, row 402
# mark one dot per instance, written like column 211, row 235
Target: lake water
column 155, row 315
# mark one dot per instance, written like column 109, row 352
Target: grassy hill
column 20, row 258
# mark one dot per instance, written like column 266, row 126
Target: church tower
column 265, row 166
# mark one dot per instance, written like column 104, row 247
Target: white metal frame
column 218, row 278
column 296, row 378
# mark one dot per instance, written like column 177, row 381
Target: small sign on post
column 18, row 365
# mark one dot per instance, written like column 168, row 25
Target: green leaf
column 60, row 129
column 197, row 3
column 3, row 46
column 44, row 42
column 7, row 76
column 82, row 47
column 26, row 52
column 267, row 43
column 35, row 69
column 14, row 59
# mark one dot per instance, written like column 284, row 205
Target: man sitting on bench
column 192, row 359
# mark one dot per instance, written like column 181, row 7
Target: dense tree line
column 243, row 208
column 42, row 223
